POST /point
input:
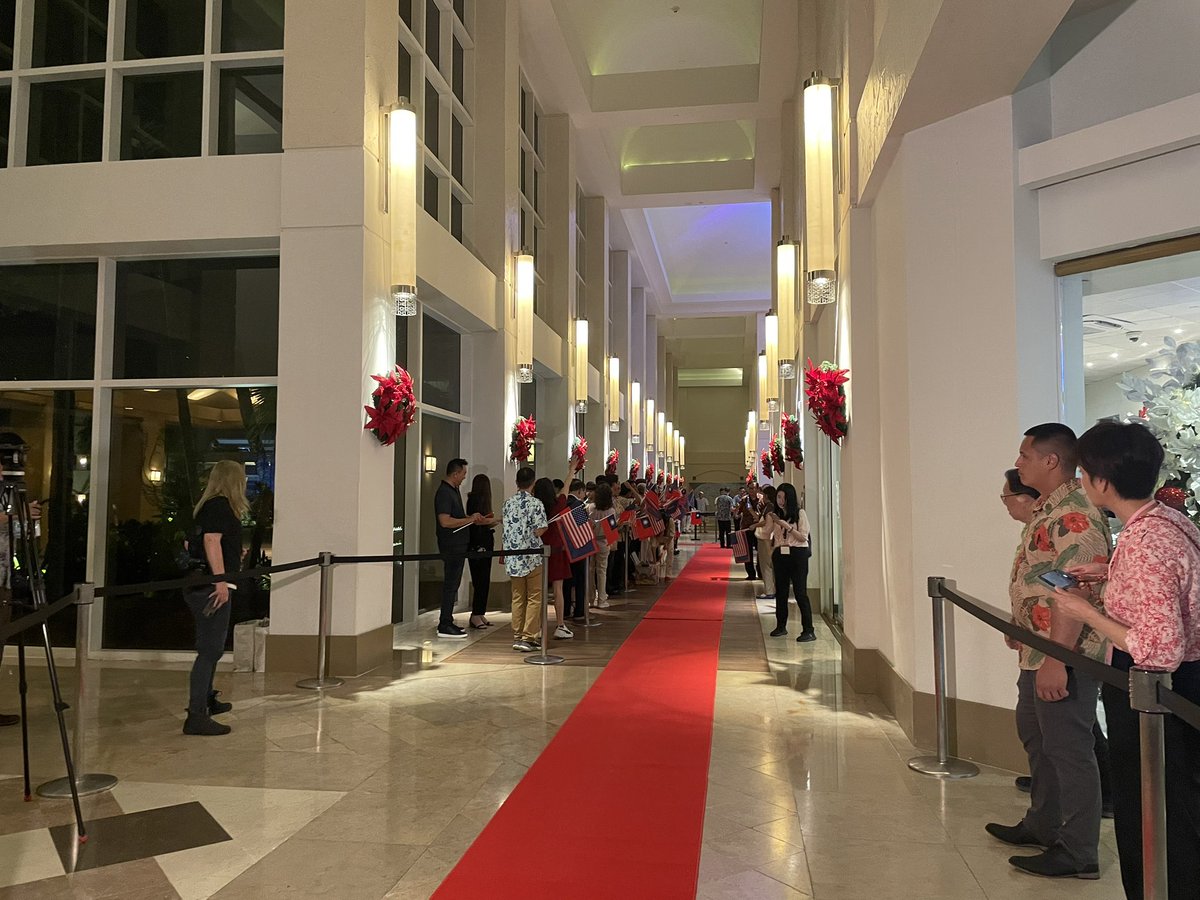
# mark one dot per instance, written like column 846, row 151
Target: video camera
column 13, row 453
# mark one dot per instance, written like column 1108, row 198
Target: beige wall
column 714, row 420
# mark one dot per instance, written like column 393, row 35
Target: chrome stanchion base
column 85, row 786
column 544, row 660
column 951, row 768
column 316, row 684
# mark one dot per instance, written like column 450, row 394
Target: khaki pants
column 765, row 569
column 527, row 606
column 598, row 574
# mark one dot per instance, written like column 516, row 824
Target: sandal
column 481, row 625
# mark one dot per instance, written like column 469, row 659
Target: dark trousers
column 481, row 584
column 616, row 571
column 1183, row 786
column 751, row 543
column 211, row 632
column 1064, row 809
column 575, row 591
column 791, row 575
column 1100, row 748
column 724, row 532
column 453, row 564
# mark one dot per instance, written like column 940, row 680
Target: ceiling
column 676, row 104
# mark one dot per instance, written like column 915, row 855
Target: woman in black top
column 482, row 537
column 218, row 525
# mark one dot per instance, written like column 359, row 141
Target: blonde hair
column 227, row 479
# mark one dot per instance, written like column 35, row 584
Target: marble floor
column 376, row 788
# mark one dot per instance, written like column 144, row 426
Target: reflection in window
column 66, row 121
column 69, row 32
column 251, row 25
column 441, row 372
column 251, row 113
column 157, row 28
column 5, row 109
column 196, row 318
column 56, row 426
column 47, row 322
column 161, row 115
column 163, row 444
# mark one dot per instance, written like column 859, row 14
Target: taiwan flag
column 608, row 531
column 647, row 527
column 697, row 519
column 626, row 517
column 652, row 502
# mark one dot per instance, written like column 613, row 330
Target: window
column 251, row 111
column 69, row 32
column 66, row 122
column 251, row 25
column 197, row 318
column 430, row 200
column 404, row 66
column 161, row 115
column 156, row 28
column 532, row 171
column 48, row 322
column 432, row 119
column 406, row 13
column 5, row 110
column 441, row 370
column 8, row 30
column 433, row 33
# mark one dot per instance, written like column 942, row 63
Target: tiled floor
column 376, row 789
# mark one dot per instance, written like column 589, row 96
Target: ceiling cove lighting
column 581, row 366
column 771, row 334
column 524, row 317
column 635, row 412
column 401, row 203
column 614, row 393
column 787, row 254
column 818, row 192
column 650, row 425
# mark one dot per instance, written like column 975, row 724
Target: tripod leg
column 59, row 708
column 23, row 688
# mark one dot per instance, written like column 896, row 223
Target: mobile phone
column 1057, row 578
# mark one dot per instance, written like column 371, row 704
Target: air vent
column 1104, row 325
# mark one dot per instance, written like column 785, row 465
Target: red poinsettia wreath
column 791, row 441
column 827, row 398
column 650, row 473
column 662, row 477
column 750, row 476
column 579, row 453
column 610, row 464
column 393, row 406
column 524, row 433
column 764, row 460
column 634, row 468
column 776, row 454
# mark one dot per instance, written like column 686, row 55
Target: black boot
column 215, row 706
column 204, row 725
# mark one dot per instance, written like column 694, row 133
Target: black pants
column 211, row 632
column 1183, row 786
column 575, row 591
column 791, row 574
column 751, row 546
column 453, row 564
column 1103, row 763
column 616, row 572
column 724, row 529
column 481, row 584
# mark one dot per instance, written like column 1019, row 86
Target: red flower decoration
column 523, row 435
column 393, row 406
column 579, row 453
column 662, row 477
column 750, row 476
column 791, row 441
column 764, row 460
column 650, row 472
column 610, row 464
column 634, row 468
column 827, row 398
column 1174, row 497
column 776, row 454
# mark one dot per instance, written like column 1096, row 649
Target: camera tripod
column 14, row 502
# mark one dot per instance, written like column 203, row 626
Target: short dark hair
column 1126, row 455
column 525, row 477
column 455, row 465
column 1017, row 486
column 576, row 484
column 558, row 484
column 1056, row 438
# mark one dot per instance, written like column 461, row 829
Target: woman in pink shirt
column 1152, row 616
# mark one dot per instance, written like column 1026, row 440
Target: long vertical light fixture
column 525, row 277
column 786, row 264
column 635, row 412
column 668, row 442
column 818, row 190
column 402, row 204
column 614, row 393
column 581, row 365
column 678, row 458
column 682, row 452
column 650, row 425
column 771, row 334
column 764, row 414
column 662, row 433
column 750, row 439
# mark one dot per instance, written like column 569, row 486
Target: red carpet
column 614, row 806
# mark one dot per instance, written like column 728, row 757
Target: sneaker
column 1054, row 863
column 563, row 633
column 806, row 637
column 765, row 597
column 204, row 725
column 603, row 604
column 1018, row 835
column 523, row 646
column 451, row 632
column 534, row 646
column 215, row 706
column 779, row 632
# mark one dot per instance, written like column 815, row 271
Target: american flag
column 609, row 529
column 576, row 529
column 673, row 504
column 646, row 527
column 652, row 501
column 741, row 546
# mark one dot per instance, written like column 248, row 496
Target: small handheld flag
column 577, row 534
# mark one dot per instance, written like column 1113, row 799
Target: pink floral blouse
column 1154, row 587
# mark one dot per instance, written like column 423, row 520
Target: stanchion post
column 86, row 783
column 323, row 679
column 943, row 765
column 1143, row 697
column 543, row 659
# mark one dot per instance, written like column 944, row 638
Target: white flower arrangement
column 1170, row 399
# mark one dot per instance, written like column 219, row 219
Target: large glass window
column 69, row 32
column 48, row 322
column 441, row 369
column 439, row 439
column 66, row 121
column 197, row 318
column 5, row 110
column 251, row 25
column 161, row 115
column 163, row 444
column 8, row 30
column 156, row 28
column 251, row 111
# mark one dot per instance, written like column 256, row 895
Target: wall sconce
column 614, row 393
column 401, row 180
column 669, row 443
column 155, row 476
column 581, row 365
column 83, row 462
column 650, row 425
column 675, row 442
column 818, row 189
column 635, row 412
column 786, row 253
column 751, row 418
column 682, row 450
column 764, row 414
column 532, row 448
column 81, row 499
column 524, row 315
column 430, row 465
column 662, row 433
column 771, row 333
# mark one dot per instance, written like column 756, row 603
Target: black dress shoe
column 1054, row 864
column 215, row 706
column 204, row 725
column 1017, row 835
column 1024, row 783
column 8, row 719
column 779, row 632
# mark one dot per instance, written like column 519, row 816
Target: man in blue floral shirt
column 523, row 519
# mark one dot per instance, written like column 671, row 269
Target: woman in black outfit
column 482, row 537
column 218, row 526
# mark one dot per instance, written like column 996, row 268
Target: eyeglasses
column 1006, row 496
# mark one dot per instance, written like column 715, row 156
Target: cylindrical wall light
column 682, row 451
column 668, row 442
column 662, row 433
column 771, row 333
column 401, row 195
column 675, row 444
column 764, row 414
column 581, row 366
column 786, row 264
column 818, row 189
column 614, row 393
column 650, row 425
column 524, row 311
column 750, row 439
column 635, row 412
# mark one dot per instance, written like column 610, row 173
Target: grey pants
column 211, row 632
column 1064, row 810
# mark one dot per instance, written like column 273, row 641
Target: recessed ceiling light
column 1091, row 365
column 1179, row 331
column 1114, row 356
column 1145, row 344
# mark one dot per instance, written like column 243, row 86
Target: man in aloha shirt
column 1056, row 706
column 524, row 520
